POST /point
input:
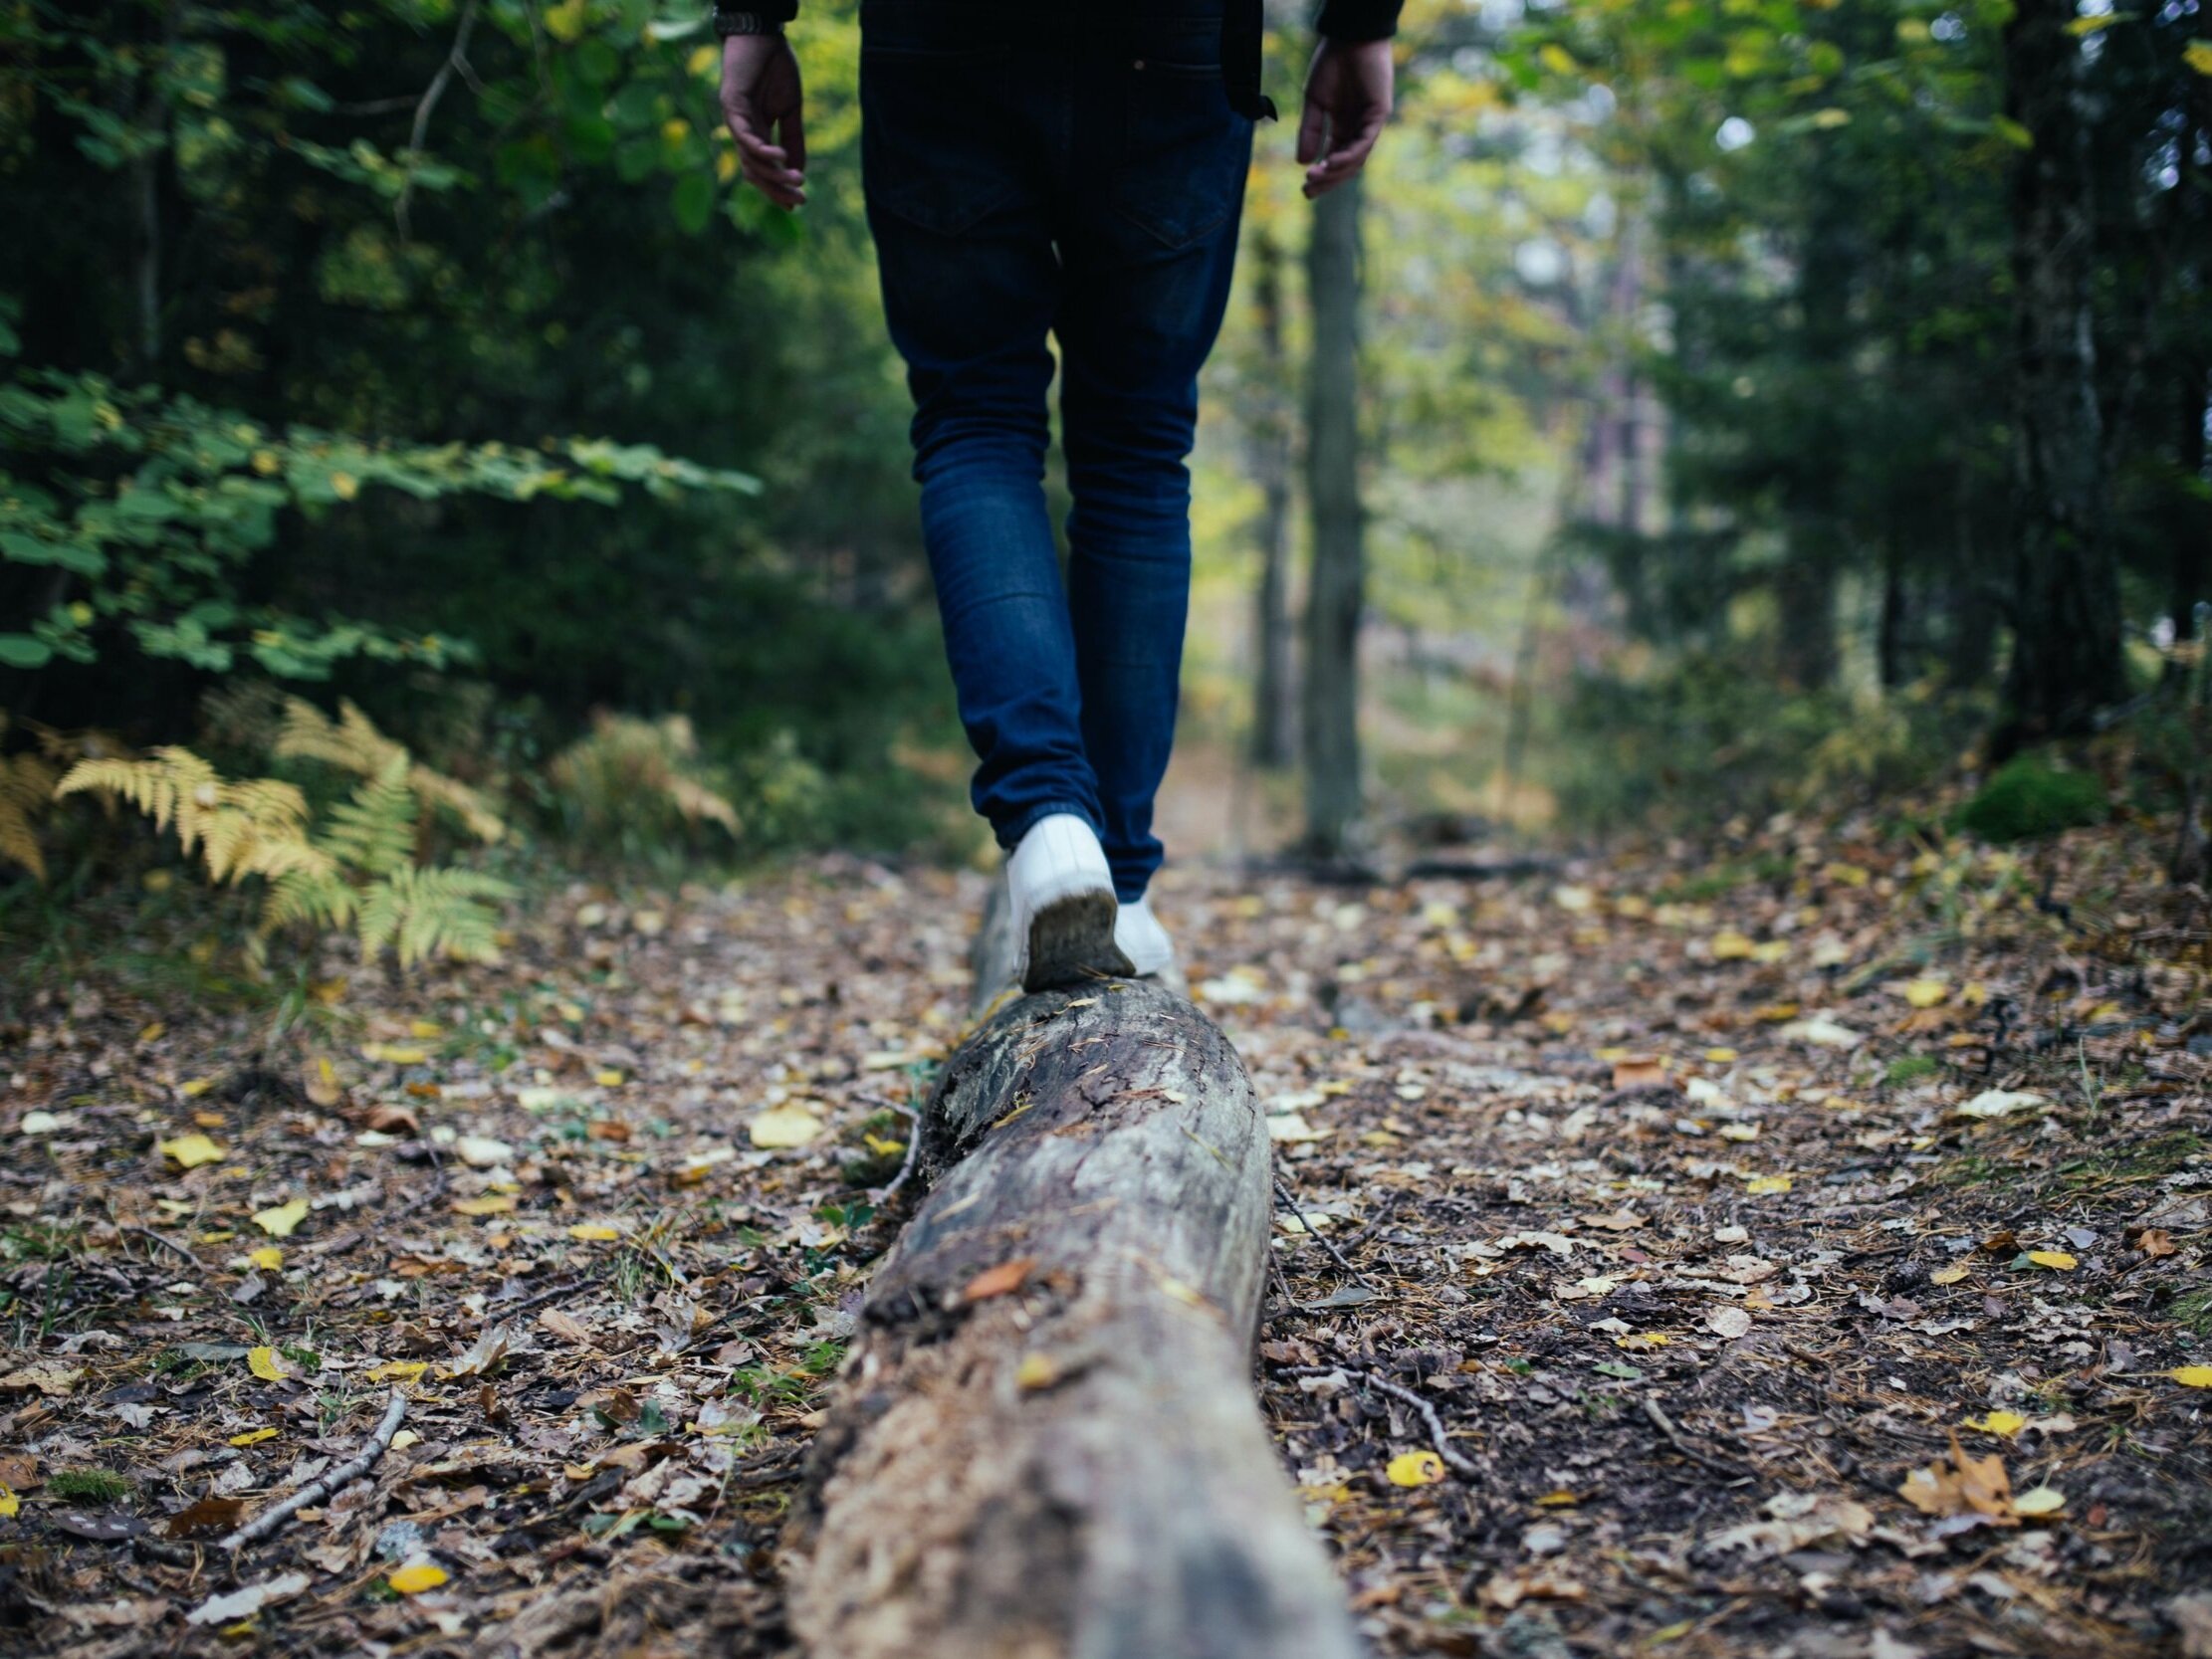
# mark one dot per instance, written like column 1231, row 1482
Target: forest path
column 1678, row 1190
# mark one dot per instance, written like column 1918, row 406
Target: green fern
column 423, row 913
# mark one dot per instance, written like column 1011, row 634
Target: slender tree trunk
column 2064, row 589
column 1890, row 646
column 1334, row 593
column 1272, row 724
column 1813, row 557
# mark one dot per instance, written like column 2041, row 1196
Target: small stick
column 269, row 1520
column 165, row 1243
column 542, row 1297
column 913, row 1146
column 1666, row 1425
column 1283, row 1193
column 1467, row 1466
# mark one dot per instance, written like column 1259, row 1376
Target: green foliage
column 2030, row 797
column 1909, row 1069
column 90, row 1486
column 633, row 785
column 359, row 867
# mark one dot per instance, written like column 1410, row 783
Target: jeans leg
column 1140, row 317
column 960, row 208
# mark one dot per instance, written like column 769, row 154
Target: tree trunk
column 1066, row 1463
column 1273, row 725
column 1335, row 592
column 1815, row 553
column 2064, row 589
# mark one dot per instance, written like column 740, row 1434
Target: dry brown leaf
column 999, row 1280
column 1961, row 1485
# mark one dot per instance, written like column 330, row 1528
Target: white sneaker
column 1143, row 941
column 1063, row 905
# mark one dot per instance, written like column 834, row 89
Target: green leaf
column 22, row 651
column 694, row 201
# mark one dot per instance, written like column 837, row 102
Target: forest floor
column 1803, row 1242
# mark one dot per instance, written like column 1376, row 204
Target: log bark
column 1073, row 1467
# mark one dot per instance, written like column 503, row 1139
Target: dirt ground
column 1800, row 1244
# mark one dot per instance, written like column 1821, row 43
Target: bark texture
column 1072, row 1468
column 1336, row 590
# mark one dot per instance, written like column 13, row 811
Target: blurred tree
column 1336, row 584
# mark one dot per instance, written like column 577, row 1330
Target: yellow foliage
column 258, row 828
column 625, row 760
column 353, row 743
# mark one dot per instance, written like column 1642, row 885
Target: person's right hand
column 1348, row 96
column 760, row 95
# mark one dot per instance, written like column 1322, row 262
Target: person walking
column 1073, row 169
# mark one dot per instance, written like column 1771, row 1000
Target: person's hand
column 1348, row 93
column 761, row 96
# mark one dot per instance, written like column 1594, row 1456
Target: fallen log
column 1044, row 1443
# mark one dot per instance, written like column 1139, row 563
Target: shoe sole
column 1071, row 940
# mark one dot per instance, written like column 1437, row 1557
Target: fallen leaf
column 1760, row 1186
column 2055, row 1259
column 2038, row 1500
column 267, row 1364
column 209, row 1515
column 189, row 1152
column 1961, row 1485
column 1947, row 1276
column 2156, row 1242
column 567, row 1327
column 1414, row 1469
column 1728, row 945
column 1728, row 1322
column 1998, row 1103
column 1291, row 1128
column 1926, row 993
column 782, row 1126
column 278, row 1223
column 253, row 1437
column 267, row 1257
column 10, row 1504
column 394, row 1054
column 1638, row 1071
column 481, row 1152
column 244, row 1603
column 1999, row 1423
column 999, row 1280
column 397, row 1371
column 416, row 1577
column 594, row 1232
column 1037, row 1370
column 2189, row 1376
column 492, row 1204
column 48, row 1376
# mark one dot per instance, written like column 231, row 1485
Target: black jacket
column 1242, row 26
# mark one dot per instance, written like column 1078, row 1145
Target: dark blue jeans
column 1076, row 172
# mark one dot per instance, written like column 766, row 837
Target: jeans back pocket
column 935, row 137
column 1184, row 149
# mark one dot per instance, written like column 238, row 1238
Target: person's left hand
column 760, row 95
column 1348, row 98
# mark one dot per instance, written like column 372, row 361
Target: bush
column 2029, row 796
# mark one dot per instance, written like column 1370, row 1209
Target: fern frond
column 351, row 742
column 372, row 832
column 26, row 792
column 354, row 744
column 424, row 913
column 257, row 827
column 308, row 899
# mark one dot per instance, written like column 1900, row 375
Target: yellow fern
column 256, row 827
column 353, row 743
column 626, row 762
column 26, row 792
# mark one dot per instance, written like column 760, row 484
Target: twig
column 1666, row 1425
column 913, row 1146
column 455, row 60
column 165, row 1243
column 542, row 1297
column 345, row 1241
column 1467, row 1466
column 1291, row 1205
column 269, row 1520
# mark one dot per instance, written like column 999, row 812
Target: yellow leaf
column 785, row 1126
column 420, row 1575
column 267, row 1256
column 195, row 1088
column 2052, row 1258
column 1728, row 945
column 1946, row 1276
column 492, row 1204
column 1414, row 1469
column 253, row 1437
column 608, row 1079
column 2038, row 1500
column 394, row 1054
column 427, row 1030
column 1771, row 951
column 189, row 1152
column 1999, row 1423
column 1758, row 1185
column 594, row 1232
column 2198, row 55
column 1926, row 993
column 398, row 1370
column 9, row 1504
column 264, row 1363
column 403, row 1439
column 1721, row 1056
column 880, row 1147
column 1037, row 1370
column 2192, row 1376
column 1640, row 1339
column 1556, row 1501
column 278, row 1223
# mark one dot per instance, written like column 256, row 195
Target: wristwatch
column 728, row 22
